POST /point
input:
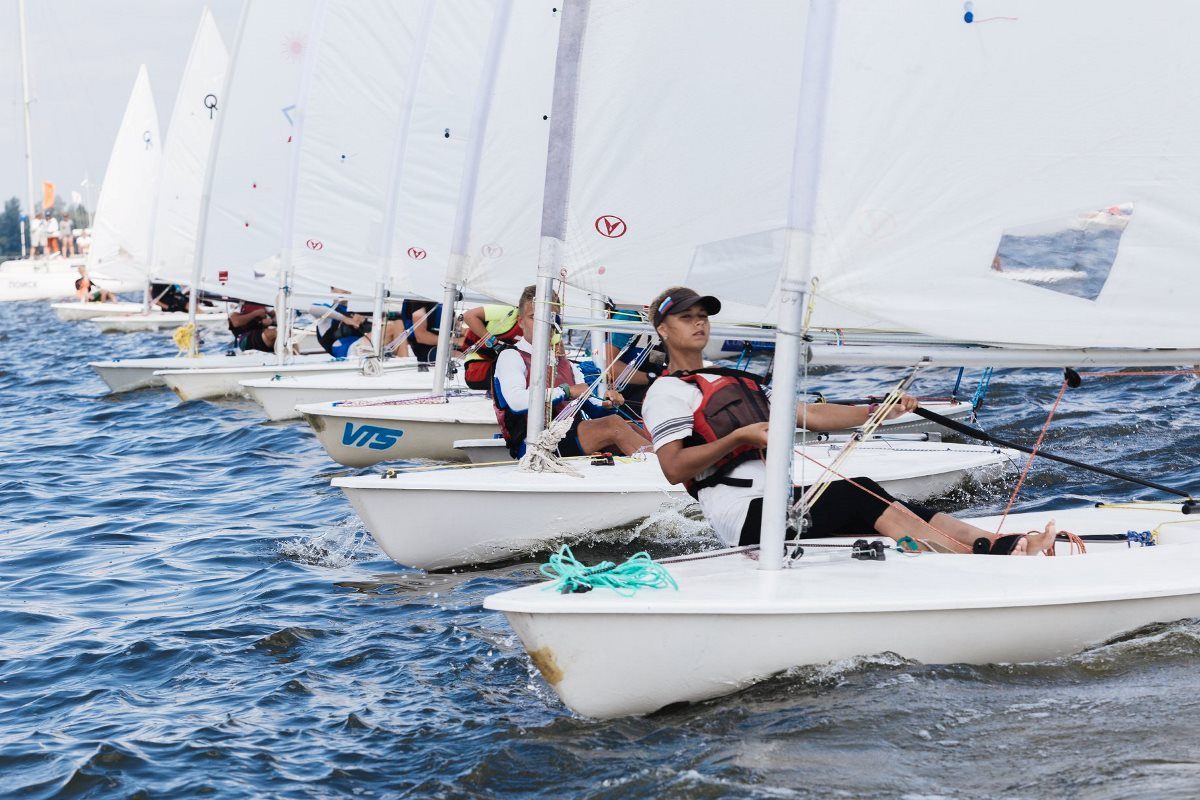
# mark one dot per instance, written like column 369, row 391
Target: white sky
column 84, row 55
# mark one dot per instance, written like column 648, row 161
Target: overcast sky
column 83, row 57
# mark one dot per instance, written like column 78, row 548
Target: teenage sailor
column 650, row 368
column 344, row 334
column 496, row 326
column 169, row 297
column 253, row 327
column 596, row 427
column 88, row 292
column 709, row 428
column 423, row 318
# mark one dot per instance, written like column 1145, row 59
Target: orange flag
column 47, row 195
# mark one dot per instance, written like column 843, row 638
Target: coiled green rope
column 640, row 571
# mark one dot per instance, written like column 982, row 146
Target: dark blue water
column 187, row 609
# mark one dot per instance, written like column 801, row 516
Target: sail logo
column 610, row 226
column 416, row 253
column 371, row 436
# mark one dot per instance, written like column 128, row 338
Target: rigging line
column 572, row 408
column 814, row 492
column 984, row 436
column 904, row 508
column 1033, row 453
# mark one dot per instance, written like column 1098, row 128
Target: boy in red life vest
column 596, row 428
column 709, row 428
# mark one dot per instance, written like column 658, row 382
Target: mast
column 556, row 198
column 466, row 197
column 797, row 273
column 209, row 174
column 387, row 229
column 26, row 102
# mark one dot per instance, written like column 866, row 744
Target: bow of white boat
column 730, row 624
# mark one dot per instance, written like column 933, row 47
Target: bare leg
column 391, row 332
column 610, row 433
column 897, row 522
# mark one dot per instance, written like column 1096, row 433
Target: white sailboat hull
column 359, row 436
column 731, row 624
column 38, row 279
column 205, row 384
column 72, row 311
column 128, row 374
column 155, row 321
column 280, row 396
column 432, row 519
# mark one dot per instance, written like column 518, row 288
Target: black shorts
column 253, row 340
column 569, row 446
column 842, row 510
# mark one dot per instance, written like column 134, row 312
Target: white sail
column 965, row 125
column 124, row 213
column 383, row 144
column 185, row 154
column 497, row 252
column 243, row 228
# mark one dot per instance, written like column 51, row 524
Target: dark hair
column 530, row 294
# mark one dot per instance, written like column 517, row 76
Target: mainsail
column 121, row 228
column 185, row 155
column 239, row 243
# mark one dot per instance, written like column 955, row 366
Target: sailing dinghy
column 867, row 229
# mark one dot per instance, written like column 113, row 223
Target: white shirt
column 667, row 412
column 511, row 381
column 52, row 227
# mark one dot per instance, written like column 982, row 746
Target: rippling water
column 188, row 608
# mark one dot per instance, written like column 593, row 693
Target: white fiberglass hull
column 49, row 279
column 280, row 396
column 432, row 519
column 128, row 374
column 75, row 310
column 155, row 321
column 731, row 624
column 205, row 384
column 362, row 435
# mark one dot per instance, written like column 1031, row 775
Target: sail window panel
column 1072, row 255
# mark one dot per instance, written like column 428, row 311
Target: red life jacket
column 513, row 426
column 735, row 399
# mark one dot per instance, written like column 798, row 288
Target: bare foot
column 1036, row 543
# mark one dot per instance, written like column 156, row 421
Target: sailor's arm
column 476, row 322
column 240, row 319
column 421, row 332
column 832, row 417
column 681, row 463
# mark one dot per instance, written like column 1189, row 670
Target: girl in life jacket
column 497, row 327
column 595, row 429
column 709, row 428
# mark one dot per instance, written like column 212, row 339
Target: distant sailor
column 168, row 297
column 596, row 427
column 497, row 327
column 709, row 428
column 423, row 318
column 253, row 327
column 344, row 334
column 650, row 365
column 88, row 292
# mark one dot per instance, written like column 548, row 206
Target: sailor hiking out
column 492, row 327
column 709, row 428
column 596, row 427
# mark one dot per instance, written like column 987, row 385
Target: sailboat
column 236, row 251
column 377, row 218
column 33, row 277
column 176, row 210
column 918, row 135
column 507, row 217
